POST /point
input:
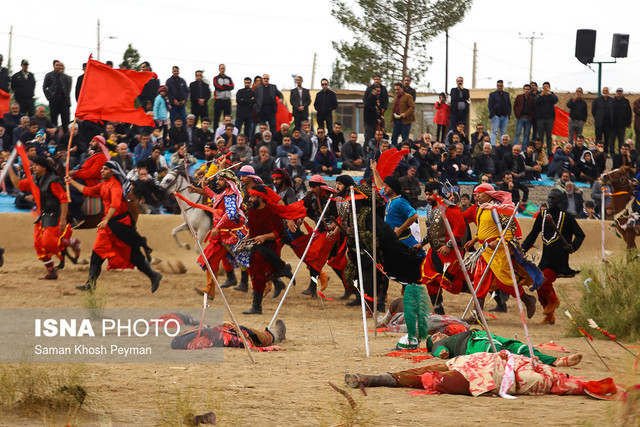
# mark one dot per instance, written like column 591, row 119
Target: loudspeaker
column 585, row 45
column 620, row 45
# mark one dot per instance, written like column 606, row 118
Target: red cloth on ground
column 90, row 170
column 107, row 245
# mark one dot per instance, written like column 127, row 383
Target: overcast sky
column 280, row 37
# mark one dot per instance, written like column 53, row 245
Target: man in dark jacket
column 546, row 114
column 459, row 104
column 621, row 119
column 372, row 114
column 199, row 93
column 513, row 164
column 524, row 109
column 11, row 120
column 384, row 94
column 266, row 103
column 245, row 100
column 57, row 88
column 150, row 89
column 602, row 112
column 487, row 164
column 352, row 154
column 178, row 93
column 23, row 84
column 80, row 80
column 499, row 111
column 325, row 102
column 578, row 112
column 300, row 100
column 177, row 135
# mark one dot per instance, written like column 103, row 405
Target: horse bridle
column 178, row 190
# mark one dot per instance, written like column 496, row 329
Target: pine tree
column 133, row 57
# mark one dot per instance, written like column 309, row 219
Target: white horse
column 175, row 181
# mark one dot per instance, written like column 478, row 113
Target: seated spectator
column 411, row 188
column 144, row 149
column 509, row 185
column 479, row 147
column 230, row 136
column 5, row 140
column 352, row 154
column 181, row 158
column 177, row 135
column 465, row 163
column 12, row 119
column 266, row 141
column 625, row 159
column 374, row 143
column 600, row 157
column 286, row 150
column 264, row 164
column 461, row 132
column 223, row 127
column 590, row 209
column 562, row 161
column 257, row 137
column 325, row 162
column 541, row 154
column 25, row 123
column 205, row 136
column 505, row 147
column 425, row 172
column 295, row 170
column 435, row 155
column 242, row 150
column 576, row 203
column 156, row 161
column 448, row 168
column 337, row 137
column 284, row 131
column 148, row 193
column 531, row 166
column 30, row 133
column 124, row 158
column 579, row 147
column 596, row 196
column 560, row 184
column 319, row 139
column 478, row 137
column 465, row 202
column 407, row 160
column 586, row 169
column 305, row 145
column 487, row 164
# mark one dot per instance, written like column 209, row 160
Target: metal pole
column 10, row 49
column 98, row 40
column 531, row 61
column 599, row 78
column 362, row 301
column 446, row 59
column 374, row 189
column 304, row 254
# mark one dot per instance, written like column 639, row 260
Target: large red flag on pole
column 109, row 94
column 561, row 124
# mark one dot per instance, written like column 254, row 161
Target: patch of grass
column 614, row 305
column 95, row 301
column 342, row 412
column 179, row 406
column 43, row 391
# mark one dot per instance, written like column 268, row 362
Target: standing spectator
column 372, row 114
column 578, row 112
column 300, row 100
column 524, row 108
column 406, row 84
column 403, row 114
column 534, row 126
column 245, row 100
column 636, row 122
column 546, row 114
column 161, row 107
column 57, row 88
column 4, row 76
column 200, row 93
column 602, row 112
column 150, row 89
column 459, row 97
column 352, row 154
column 441, row 118
column 178, row 93
column 499, row 111
column 223, row 85
column 23, row 84
column 621, row 119
column 384, row 94
column 80, row 80
column 266, row 103
column 325, row 103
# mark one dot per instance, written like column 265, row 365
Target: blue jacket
column 495, row 104
column 159, row 108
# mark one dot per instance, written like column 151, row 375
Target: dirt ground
column 290, row 387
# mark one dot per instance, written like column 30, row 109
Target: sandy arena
column 290, row 387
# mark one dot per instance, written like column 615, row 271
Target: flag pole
column 357, row 239
column 73, row 127
column 374, row 257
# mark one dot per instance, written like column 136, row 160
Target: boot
column 436, row 301
column 381, row 380
column 90, row 285
column 278, row 286
column 284, row 272
column 231, row 279
column 549, row 319
column 323, row 278
column 147, row 250
column 380, row 306
column 244, row 282
column 52, row 274
column 151, row 274
column 1, row 257
column 210, row 290
column 530, row 303
column 279, row 332
column 256, row 306
column 312, row 289
column 551, row 307
column 354, row 303
column 347, row 294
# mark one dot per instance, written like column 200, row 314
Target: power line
column 532, row 38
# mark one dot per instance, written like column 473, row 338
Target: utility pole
column 475, row 60
column 531, row 39
column 10, row 45
column 313, row 70
column 446, row 60
column 98, row 40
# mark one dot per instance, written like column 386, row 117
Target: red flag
column 5, row 99
column 109, row 94
column 561, row 124
column 26, row 166
column 283, row 115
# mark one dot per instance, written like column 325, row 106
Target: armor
column 49, row 203
column 436, row 230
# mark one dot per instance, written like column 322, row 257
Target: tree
column 338, row 80
column 132, row 56
column 391, row 36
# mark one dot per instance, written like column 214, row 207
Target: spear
column 587, row 338
column 613, row 338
